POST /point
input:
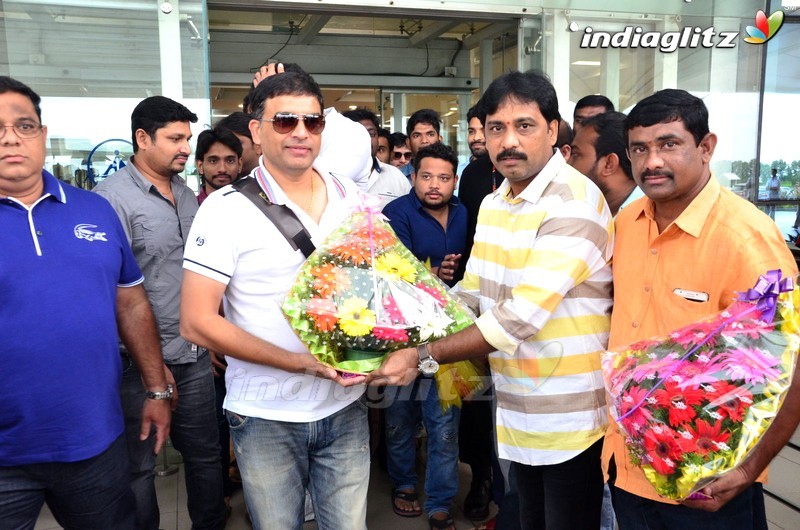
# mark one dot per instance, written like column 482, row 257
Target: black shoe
column 476, row 503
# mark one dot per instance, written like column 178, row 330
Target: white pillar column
column 169, row 42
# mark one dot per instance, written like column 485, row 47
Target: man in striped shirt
column 540, row 278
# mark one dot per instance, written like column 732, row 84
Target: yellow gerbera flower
column 355, row 318
column 395, row 267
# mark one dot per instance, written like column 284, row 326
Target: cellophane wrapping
column 362, row 295
column 692, row 405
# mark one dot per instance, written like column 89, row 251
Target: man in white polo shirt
column 294, row 422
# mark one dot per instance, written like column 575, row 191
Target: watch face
column 428, row 366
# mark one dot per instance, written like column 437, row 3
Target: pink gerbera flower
column 751, row 365
column 390, row 334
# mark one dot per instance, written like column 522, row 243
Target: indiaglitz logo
column 765, row 28
column 688, row 37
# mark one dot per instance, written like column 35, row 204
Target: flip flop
column 407, row 496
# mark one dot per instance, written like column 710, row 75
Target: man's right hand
column 267, row 71
column 155, row 413
column 218, row 365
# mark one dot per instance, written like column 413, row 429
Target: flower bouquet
column 362, row 295
column 694, row 404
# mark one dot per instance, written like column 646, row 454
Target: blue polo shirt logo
column 84, row 231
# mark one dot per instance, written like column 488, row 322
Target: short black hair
column 362, row 114
column 153, row 113
column 294, row 82
column 209, row 137
column 610, row 129
column 9, row 84
column 429, row 116
column 670, row 105
column 532, row 86
column 595, row 100
column 384, row 133
column 565, row 134
column 437, row 150
column 473, row 112
column 397, row 139
column 237, row 122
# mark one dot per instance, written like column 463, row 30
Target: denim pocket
column 235, row 421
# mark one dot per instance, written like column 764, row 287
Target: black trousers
column 565, row 496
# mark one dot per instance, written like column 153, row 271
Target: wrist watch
column 427, row 364
column 166, row 394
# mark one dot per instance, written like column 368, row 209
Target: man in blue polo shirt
column 432, row 223
column 70, row 284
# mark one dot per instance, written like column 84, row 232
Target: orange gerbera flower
column 352, row 251
column 381, row 237
column 323, row 312
column 328, row 279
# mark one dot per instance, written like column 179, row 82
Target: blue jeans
column 744, row 512
column 193, row 432
column 441, row 473
column 89, row 494
column 279, row 460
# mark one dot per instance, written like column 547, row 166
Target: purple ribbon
column 765, row 293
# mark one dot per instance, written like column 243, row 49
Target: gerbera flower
column 640, row 416
column 381, row 237
column 662, row 449
column 323, row 312
column 750, row 364
column 728, row 400
column 395, row 267
column 679, row 402
column 352, row 251
column 434, row 292
column 392, row 311
column 706, row 438
column 328, row 279
column 355, row 317
column 390, row 334
column 654, row 367
column 692, row 375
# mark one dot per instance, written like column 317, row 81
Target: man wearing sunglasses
column 293, row 422
column 401, row 154
column 385, row 181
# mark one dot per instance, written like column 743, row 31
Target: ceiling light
column 586, row 63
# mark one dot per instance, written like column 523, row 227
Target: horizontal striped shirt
column 540, row 277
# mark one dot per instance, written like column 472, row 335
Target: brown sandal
column 407, row 496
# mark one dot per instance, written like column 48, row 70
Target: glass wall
column 93, row 61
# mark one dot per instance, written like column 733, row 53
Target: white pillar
column 724, row 62
column 169, row 42
column 665, row 67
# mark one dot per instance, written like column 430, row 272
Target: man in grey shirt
column 157, row 208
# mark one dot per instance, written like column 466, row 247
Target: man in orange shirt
column 689, row 236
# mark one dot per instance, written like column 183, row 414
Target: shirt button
column 39, row 233
column 647, row 288
column 653, row 251
column 635, row 324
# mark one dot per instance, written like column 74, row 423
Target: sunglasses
column 284, row 122
column 398, row 156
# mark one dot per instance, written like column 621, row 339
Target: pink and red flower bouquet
column 692, row 405
column 362, row 295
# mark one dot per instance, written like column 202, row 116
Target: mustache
column 657, row 173
column 511, row 153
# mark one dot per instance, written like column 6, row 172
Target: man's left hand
column 399, row 369
column 721, row 491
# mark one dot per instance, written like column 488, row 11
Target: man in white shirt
column 294, row 422
column 385, row 181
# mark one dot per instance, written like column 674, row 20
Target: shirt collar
column 140, row 180
column 694, row 217
column 533, row 192
column 52, row 187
